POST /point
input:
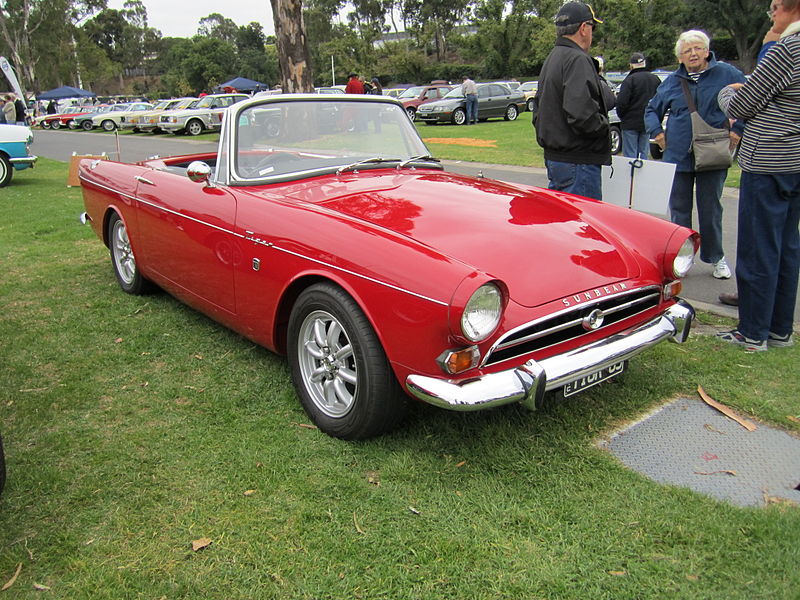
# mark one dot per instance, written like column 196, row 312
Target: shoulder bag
column 710, row 145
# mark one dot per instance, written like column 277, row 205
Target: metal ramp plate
column 690, row 444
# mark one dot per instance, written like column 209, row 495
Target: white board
column 644, row 187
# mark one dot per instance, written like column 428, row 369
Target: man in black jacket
column 635, row 92
column 572, row 103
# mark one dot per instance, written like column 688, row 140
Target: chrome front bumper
column 527, row 383
column 26, row 161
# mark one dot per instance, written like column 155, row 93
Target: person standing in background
column 635, row 92
column 470, row 91
column 354, row 85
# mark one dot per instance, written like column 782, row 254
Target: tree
column 215, row 25
column 293, row 54
column 435, row 18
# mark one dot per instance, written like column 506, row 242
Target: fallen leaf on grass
column 461, row 464
column 11, row 581
column 414, row 510
column 777, row 500
column 358, row 527
column 306, row 425
column 200, row 544
column 41, row 587
column 249, row 492
column 725, row 410
column 793, row 418
column 118, row 341
column 373, row 477
column 618, row 573
column 724, row 471
column 693, row 577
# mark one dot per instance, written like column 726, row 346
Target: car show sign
column 642, row 185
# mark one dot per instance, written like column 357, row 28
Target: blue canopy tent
column 65, row 91
column 243, row 84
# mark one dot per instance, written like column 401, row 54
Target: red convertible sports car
column 324, row 230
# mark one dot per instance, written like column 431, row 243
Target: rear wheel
column 512, row 112
column 459, row 116
column 108, row 125
column 531, row 103
column 55, row 124
column 87, row 125
column 123, row 260
column 339, row 368
column 194, row 127
column 6, row 171
column 45, row 124
column 616, row 139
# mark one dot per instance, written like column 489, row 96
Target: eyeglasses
column 773, row 9
column 693, row 50
column 590, row 24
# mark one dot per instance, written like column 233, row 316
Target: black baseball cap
column 637, row 58
column 574, row 13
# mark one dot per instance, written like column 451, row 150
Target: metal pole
column 333, row 72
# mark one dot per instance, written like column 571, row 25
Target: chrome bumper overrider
column 527, row 383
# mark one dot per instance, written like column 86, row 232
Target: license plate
column 593, row 379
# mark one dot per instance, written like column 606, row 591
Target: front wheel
column 123, row 260
column 459, row 116
column 6, row 171
column 411, row 112
column 87, row 125
column 531, row 104
column 512, row 112
column 339, row 368
column 616, row 139
column 45, row 124
column 194, row 127
column 108, row 125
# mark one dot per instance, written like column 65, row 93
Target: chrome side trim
column 527, row 383
column 285, row 250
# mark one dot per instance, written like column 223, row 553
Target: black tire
column 122, row 259
column 194, row 127
column 56, row 124
column 530, row 104
column 358, row 396
column 6, row 171
column 459, row 116
column 512, row 112
column 2, row 466
column 87, row 125
column 411, row 112
column 616, row 139
column 108, row 125
column 45, row 124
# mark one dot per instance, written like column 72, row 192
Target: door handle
column 141, row 179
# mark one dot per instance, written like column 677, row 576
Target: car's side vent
column 573, row 323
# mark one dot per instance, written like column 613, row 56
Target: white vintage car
column 15, row 141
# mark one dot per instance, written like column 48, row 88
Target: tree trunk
column 293, row 54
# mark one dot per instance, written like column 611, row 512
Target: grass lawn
column 498, row 142
column 134, row 426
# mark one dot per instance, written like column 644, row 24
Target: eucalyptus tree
column 292, row 43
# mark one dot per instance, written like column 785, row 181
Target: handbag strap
column 689, row 98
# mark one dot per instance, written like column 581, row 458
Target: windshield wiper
column 420, row 158
column 367, row 161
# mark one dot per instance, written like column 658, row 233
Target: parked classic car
column 414, row 97
column 147, row 120
column 494, row 100
column 109, row 119
column 62, row 119
column 377, row 272
column 15, row 141
column 529, row 89
column 198, row 119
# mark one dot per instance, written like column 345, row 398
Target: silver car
column 494, row 100
column 198, row 119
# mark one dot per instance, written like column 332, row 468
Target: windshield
column 288, row 139
column 455, row 93
column 412, row 92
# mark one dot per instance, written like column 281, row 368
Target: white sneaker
column 721, row 270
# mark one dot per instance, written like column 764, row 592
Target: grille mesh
column 568, row 324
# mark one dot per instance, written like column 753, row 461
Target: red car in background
column 413, row 97
column 324, row 230
column 63, row 119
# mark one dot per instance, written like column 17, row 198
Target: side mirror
column 198, row 171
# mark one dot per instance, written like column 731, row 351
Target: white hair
column 691, row 37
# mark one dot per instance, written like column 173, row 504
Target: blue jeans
column 583, row 180
column 635, row 144
column 708, row 186
column 768, row 253
column 472, row 108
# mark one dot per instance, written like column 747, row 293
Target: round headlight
column 482, row 313
column 684, row 259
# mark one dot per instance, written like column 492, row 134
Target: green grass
column 134, row 425
column 514, row 144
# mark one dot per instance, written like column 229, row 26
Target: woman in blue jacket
column 706, row 77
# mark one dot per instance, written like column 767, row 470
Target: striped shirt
column 770, row 102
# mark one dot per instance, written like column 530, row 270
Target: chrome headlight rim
column 482, row 312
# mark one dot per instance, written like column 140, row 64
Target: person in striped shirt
column 768, row 245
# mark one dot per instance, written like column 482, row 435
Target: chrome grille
column 568, row 324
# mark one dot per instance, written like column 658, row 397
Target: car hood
column 539, row 242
